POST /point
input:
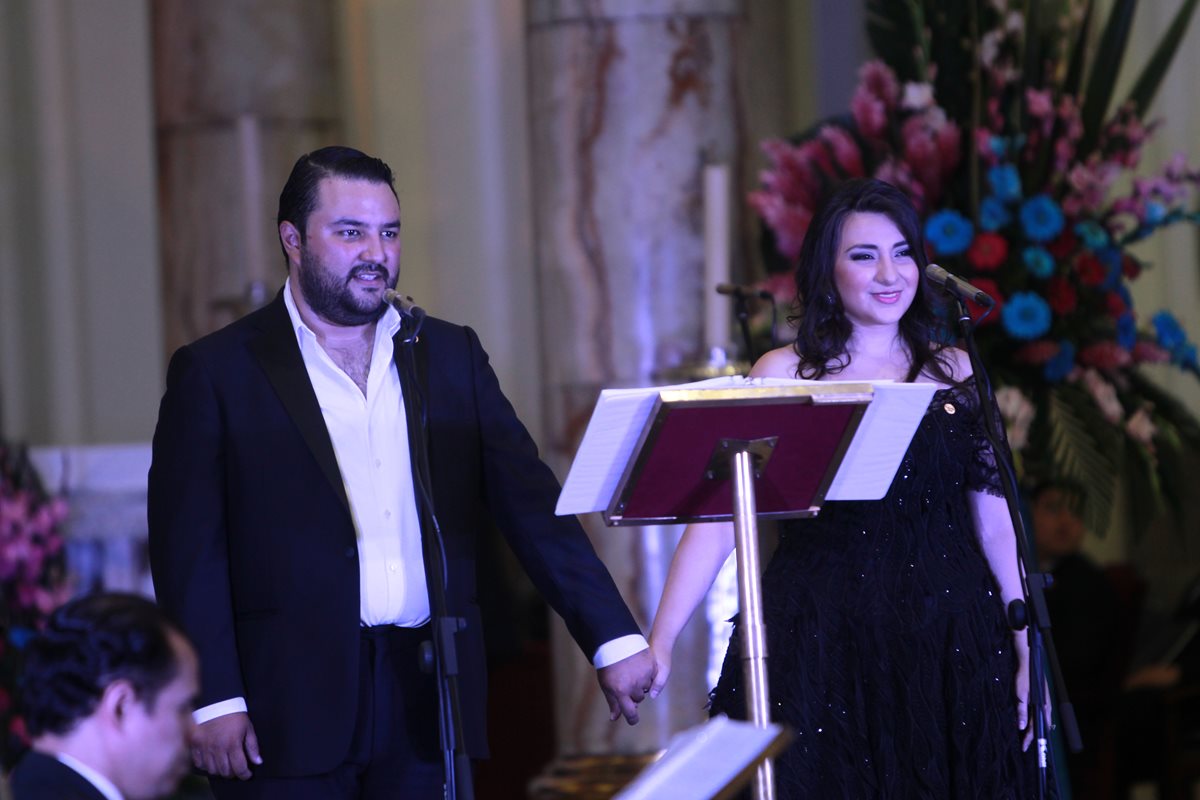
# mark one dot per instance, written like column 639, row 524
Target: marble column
column 628, row 101
column 242, row 88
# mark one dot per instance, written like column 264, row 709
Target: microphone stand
column 1042, row 652
column 444, row 655
column 741, row 310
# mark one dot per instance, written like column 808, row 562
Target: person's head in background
column 111, row 683
column 1057, row 510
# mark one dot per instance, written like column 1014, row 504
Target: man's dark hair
column 88, row 644
column 299, row 196
column 1073, row 491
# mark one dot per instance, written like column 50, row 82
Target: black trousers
column 395, row 751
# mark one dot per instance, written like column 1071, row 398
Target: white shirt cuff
column 620, row 648
column 231, row 706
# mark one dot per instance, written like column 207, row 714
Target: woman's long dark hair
column 822, row 327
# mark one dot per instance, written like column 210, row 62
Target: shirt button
column 392, row 567
column 387, row 514
column 350, row 552
column 378, row 462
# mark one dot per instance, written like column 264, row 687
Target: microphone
column 957, row 286
column 404, row 304
column 408, row 309
column 742, row 292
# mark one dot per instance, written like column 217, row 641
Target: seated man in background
column 1085, row 612
column 108, row 693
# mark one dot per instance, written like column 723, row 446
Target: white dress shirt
column 370, row 440
column 103, row 785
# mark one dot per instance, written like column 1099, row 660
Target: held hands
column 626, row 683
column 226, row 746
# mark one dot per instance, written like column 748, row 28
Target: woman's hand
column 1021, row 643
column 662, row 659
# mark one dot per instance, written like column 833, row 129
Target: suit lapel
column 279, row 354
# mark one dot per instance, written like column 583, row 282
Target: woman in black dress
column 890, row 657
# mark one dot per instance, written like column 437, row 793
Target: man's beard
column 331, row 298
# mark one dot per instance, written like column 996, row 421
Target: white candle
column 717, row 324
column 253, row 223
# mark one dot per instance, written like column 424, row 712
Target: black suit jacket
column 253, row 548
column 42, row 777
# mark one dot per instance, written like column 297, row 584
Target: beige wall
column 80, row 332
column 440, row 95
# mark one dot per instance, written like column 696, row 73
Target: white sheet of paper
column 701, row 761
column 621, row 414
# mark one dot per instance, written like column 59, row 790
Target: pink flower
column 898, row 174
column 1087, row 187
column 876, row 95
column 788, row 222
column 1040, row 103
column 1149, row 353
column 870, row 114
column 931, row 149
column 1103, row 393
column 880, row 82
column 845, row 150
column 1141, row 427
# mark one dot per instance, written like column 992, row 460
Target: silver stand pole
column 754, row 640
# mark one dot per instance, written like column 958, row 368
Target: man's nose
column 374, row 249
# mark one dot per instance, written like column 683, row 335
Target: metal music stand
column 738, row 454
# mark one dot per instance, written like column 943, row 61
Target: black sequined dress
column 889, row 655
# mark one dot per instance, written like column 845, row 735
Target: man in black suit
column 290, row 530
column 108, row 691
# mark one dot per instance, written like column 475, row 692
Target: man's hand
column 626, row 683
column 226, row 746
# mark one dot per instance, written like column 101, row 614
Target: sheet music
column 703, row 760
column 621, row 414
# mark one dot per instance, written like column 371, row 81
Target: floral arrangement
column 1028, row 188
column 32, row 580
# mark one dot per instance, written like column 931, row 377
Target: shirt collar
column 102, row 784
column 389, row 323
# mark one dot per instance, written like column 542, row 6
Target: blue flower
column 1059, row 367
column 949, row 232
column 1168, row 330
column 1041, row 218
column 1026, row 315
column 1005, row 182
column 1155, row 213
column 20, row 636
column 992, row 214
column 1038, row 261
column 1110, row 257
column 1126, row 331
column 1185, row 355
column 1092, row 234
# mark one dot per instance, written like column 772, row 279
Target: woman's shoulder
column 782, row 362
column 956, row 362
